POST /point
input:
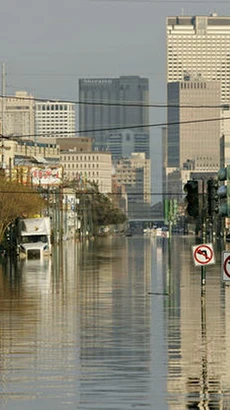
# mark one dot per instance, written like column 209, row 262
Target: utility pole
column 3, row 112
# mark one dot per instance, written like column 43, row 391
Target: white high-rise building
column 198, row 77
column 199, row 46
column 54, row 119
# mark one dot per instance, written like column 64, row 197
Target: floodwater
column 117, row 323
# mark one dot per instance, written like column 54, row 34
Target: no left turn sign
column 203, row 254
column 226, row 265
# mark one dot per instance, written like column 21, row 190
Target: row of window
column 89, row 174
column 39, row 150
column 193, row 85
column 56, row 107
column 68, row 158
column 80, row 165
column 40, row 116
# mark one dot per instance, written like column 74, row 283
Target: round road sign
column 203, row 254
column 226, row 266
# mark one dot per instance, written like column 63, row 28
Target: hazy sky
column 47, row 45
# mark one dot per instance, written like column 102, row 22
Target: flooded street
column 116, row 323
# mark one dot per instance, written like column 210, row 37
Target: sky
column 47, row 45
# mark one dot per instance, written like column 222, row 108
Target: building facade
column 134, row 173
column 103, row 105
column 199, row 46
column 193, row 133
column 80, row 144
column 54, row 119
column 123, row 143
column 17, row 115
column 225, row 136
column 88, row 166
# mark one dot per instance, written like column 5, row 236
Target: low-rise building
column 135, row 174
column 88, row 166
column 80, row 144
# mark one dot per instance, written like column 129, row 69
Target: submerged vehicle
column 33, row 238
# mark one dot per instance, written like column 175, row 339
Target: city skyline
column 48, row 47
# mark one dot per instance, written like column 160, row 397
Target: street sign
column 226, row 265
column 203, row 254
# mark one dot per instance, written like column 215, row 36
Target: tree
column 95, row 209
column 16, row 201
column 103, row 211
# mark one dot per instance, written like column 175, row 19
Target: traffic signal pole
column 196, row 208
column 203, row 213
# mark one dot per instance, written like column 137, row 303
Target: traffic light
column 192, row 198
column 213, row 197
column 224, row 191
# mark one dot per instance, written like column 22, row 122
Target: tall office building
column 199, row 46
column 54, row 119
column 193, row 137
column 102, row 106
column 198, row 66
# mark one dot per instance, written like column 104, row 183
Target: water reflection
column 116, row 323
column 197, row 336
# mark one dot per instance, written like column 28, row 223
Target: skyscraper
column 103, row 105
column 193, row 135
column 198, row 77
column 199, row 46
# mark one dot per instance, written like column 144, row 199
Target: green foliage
column 103, row 211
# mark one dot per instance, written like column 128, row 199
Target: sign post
column 203, row 255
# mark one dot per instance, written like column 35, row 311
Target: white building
column 88, row 166
column 54, row 119
column 198, row 52
column 199, row 45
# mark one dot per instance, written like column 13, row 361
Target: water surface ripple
column 117, row 323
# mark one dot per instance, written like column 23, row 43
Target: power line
column 156, row 125
column 51, row 190
column 163, row 1
column 113, row 103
